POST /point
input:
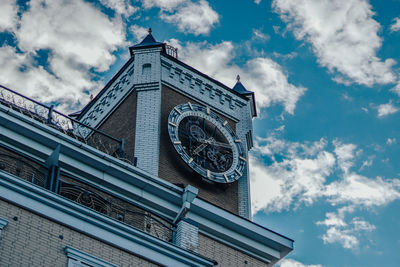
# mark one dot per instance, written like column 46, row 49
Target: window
column 78, row 258
column 3, row 223
column 146, row 69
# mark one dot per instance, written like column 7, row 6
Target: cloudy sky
column 325, row 168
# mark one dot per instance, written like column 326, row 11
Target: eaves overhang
column 159, row 195
column 95, row 224
column 257, row 240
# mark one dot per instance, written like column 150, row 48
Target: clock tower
column 179, row 124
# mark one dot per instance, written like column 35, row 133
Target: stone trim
column 110, row 99
column 187, row 235
column 202, row 89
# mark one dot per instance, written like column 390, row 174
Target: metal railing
column 117, row 209
column 88, row 196
column 172, row 51
column 67, row 125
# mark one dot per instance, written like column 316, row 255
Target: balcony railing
column 87, row 195
column 172, row 51
column 69, row 126
column 117, row 209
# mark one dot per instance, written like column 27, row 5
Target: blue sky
column 325, row 167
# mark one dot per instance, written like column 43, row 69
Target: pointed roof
column 239, row 87
column 148, row 41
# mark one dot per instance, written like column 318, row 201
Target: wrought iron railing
column 119, row 210
column 172, row 51
column 88, row 196
column 69, row 126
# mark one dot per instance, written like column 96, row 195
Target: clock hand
column 199, row 149
column 203, row 145
column 214, row 143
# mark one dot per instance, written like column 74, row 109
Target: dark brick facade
column 173, row 169
column 122, row 123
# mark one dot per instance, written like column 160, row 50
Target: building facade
column 152, row 172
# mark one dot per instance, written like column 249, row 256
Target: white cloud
column 299, row 177
column 396, row 25
column 391, row 141
column 8, row 15
column 343, row 35
column 344, row 154
column 120, row 6
column 168, row 5
column 332, row 219
column 346, row 234
column 76, row 36
column 367, row 163
column 294, row 263
column 196, row 18
column 258, row 34
column 362, row 191
column 139, row 32
column 344, row 237
column 386, row 109
column 261, row 75
column 396, row 89
column 304, row 173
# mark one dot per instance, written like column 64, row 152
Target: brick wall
column 122, row 123
column 225, row 256
column 32, row 240
column 173, row 169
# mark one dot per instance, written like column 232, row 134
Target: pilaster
column 187, row 235
column 148, row 87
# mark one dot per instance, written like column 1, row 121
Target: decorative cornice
column 109, row 100
column 204, row 89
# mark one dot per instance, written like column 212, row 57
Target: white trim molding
column 77, row 258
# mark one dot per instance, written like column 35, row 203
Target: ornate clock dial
column 206, row 143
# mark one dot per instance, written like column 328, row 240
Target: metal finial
column 238, row 78
column 150, row 30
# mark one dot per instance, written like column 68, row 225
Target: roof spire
column 238, row 78
column 147, row 41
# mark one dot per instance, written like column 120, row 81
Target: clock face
column 206, row 143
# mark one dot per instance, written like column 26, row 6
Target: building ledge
column 126, row 181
